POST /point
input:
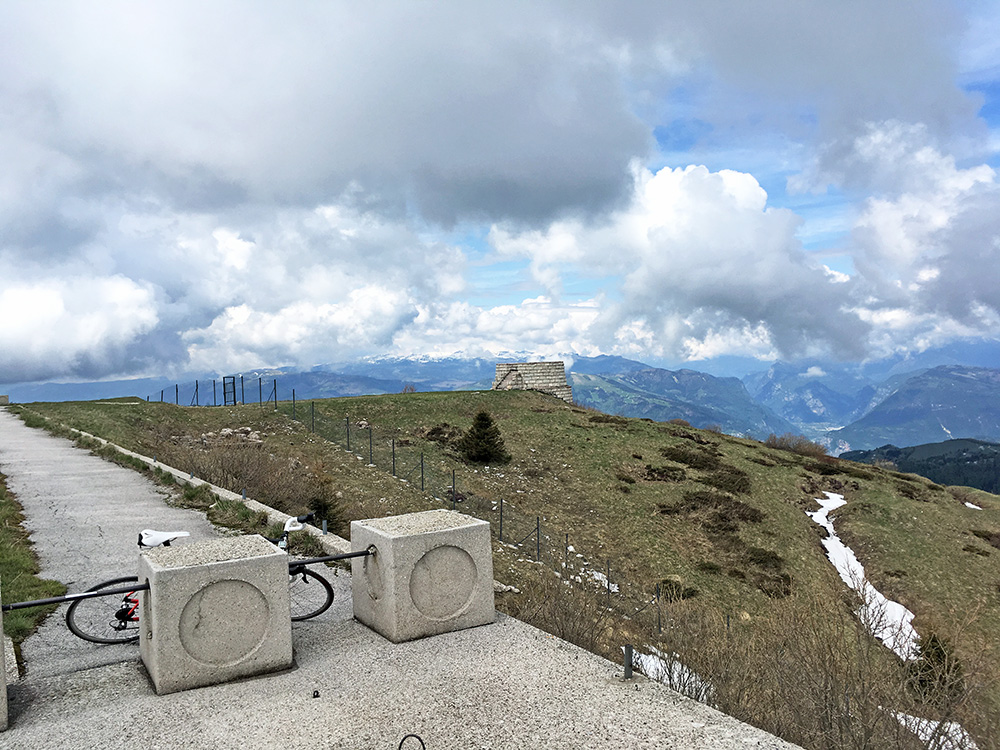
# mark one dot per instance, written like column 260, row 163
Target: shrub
column 673, row 590
column 936, row 676
column 483, row 444
column 609, row 419
column 795, row 444
column 664, row 474
column 696, row 459
column 730, row 479
column 990, row 537
column 764, row 558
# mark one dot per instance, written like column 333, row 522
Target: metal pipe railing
column 145, row 586
column 71, row 597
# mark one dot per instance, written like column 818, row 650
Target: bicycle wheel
column 105, row 619
column 310, row 593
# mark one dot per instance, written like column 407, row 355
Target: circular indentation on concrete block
column 373, row 576
column 224, row 622
column 442, row 582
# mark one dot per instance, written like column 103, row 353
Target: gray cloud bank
column 227, row 185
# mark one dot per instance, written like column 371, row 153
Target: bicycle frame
column 128, row 612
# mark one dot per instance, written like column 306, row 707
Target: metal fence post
column 421, row 472
column 243, row 392
column 394, row 456
column 453, row 489
column 501, row 519
column 628, row 661
column 347, row 421
column 312, row 408
column 177, row 395
column 608, row 576
column 659, row 620
column 538, row 538
column 371, row 456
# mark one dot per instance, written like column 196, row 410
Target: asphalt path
column 84, row 515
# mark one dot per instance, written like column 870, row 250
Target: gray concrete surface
column 84, row 515
column 503, row 685
column 432, row 573
column 186, row 633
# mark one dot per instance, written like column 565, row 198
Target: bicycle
column 95, row 620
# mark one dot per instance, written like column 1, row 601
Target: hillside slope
column 661, row 395
column 972, row 463
column 715, row 526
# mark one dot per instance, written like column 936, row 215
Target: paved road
column 84, row 515
column 504, row 685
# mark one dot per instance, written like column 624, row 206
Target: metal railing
column 131, row 588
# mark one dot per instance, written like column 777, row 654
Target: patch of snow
column 887, row 620
column 668, row 669
column 601, row 579
column 973, row 506
column 944, row 736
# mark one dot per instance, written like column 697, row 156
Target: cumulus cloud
column 705, row 266
column 86, row 325
column 239, row 184
column 926, row 255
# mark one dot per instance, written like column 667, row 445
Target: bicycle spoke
column 106, row 619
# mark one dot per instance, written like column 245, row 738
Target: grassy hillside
column 715, row 525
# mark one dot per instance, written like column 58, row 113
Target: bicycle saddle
column 152, row 538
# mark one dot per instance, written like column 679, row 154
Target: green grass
column 19, row 579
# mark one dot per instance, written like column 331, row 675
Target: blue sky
column 217, row 187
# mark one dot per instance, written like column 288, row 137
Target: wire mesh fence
column 229, row 391
column 532, row 537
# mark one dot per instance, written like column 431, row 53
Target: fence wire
column 528, row 535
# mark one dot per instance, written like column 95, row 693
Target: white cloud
column 86, row 325
column 702, row 260
column 244, row 184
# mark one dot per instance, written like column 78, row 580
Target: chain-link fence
column 530, row 536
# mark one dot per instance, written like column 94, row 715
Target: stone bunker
column 546, row 377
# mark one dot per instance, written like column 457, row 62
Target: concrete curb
column 332, row 544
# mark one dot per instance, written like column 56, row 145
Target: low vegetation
column 19, row 570
column 657, row 534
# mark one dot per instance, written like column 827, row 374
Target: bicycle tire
column 306, row 598
column 94, row 619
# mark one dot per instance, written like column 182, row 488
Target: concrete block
column 3, row 677
column 215, row 611
column 4, row 400
column 431, row 573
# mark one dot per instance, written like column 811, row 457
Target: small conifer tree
column 483, row 444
